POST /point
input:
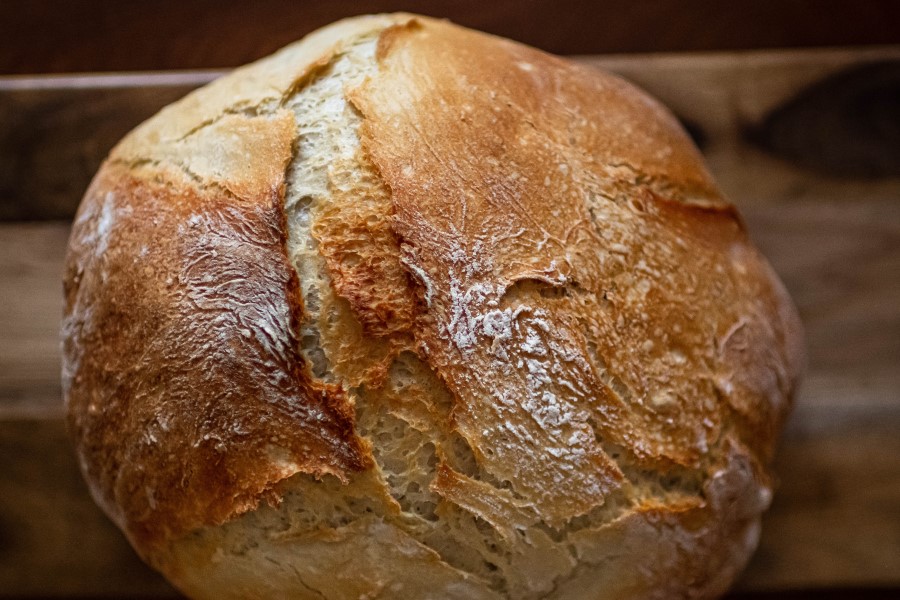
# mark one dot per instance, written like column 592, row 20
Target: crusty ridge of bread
column 147, row 324
column 432, row 510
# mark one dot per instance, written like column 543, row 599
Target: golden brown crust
column 584, row 282
column 175, row 438
column 554, row 331
column 187, row 396
column 360, row 249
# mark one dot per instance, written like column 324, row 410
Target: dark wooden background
column 114, row 35
column 806, row 143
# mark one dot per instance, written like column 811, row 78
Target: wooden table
column 806, row 144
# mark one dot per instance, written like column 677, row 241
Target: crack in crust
column 542, row 349
column 177, row 281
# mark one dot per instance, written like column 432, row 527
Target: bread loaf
column 410, row 311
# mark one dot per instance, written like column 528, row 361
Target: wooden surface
column 46, row 36
column 55, row 131
column 833, row 236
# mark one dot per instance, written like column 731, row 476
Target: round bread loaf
column 410, row 311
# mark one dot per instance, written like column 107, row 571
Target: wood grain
column 848, row 123
column 31, row 297
column 110, row 35
column 54, row 132
column 54, row 541
column 834, row 239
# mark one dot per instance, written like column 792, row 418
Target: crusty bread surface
column 410, row 311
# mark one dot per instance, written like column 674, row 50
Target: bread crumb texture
column 410, row 311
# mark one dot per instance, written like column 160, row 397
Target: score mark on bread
column 406, row 310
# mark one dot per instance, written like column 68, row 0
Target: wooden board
column 54, row 541
column 55, row 131
column 111, row 35
column 834, row 239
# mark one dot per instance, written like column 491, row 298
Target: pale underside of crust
column 610, row 507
